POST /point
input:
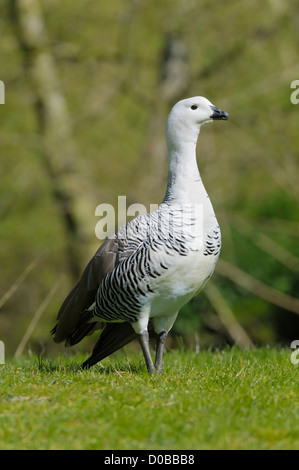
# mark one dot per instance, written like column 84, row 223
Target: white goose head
column 186, row 118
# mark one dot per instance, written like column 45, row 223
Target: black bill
column 218, row 114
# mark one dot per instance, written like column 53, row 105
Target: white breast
column 184, row 278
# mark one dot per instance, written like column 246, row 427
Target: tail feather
column 71, row 314
column 83, row 327
column 114, row 337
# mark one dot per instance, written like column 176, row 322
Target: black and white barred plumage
column 155, row 238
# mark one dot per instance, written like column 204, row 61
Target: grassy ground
column 211, row 400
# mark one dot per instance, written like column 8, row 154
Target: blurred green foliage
column 242, row 56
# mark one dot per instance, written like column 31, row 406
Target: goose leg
column 143, row 338
column 161, row 338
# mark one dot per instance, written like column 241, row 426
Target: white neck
column 184, row 183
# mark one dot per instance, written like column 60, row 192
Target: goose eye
column 194, row 106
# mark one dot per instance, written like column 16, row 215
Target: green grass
column 212, row 400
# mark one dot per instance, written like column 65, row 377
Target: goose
column 144, row 273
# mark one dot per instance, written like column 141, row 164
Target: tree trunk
column 58, row 151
